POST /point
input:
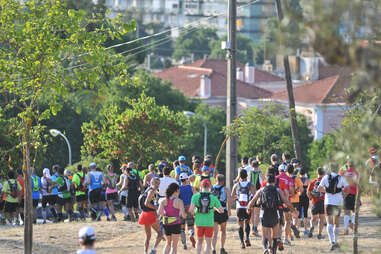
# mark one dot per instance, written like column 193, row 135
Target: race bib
column 243, row 197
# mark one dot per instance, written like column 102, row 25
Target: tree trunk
column 356, row 223
column 219, row 154
column 28, row 206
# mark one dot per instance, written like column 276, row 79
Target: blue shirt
column 183, row 168
column 96, row 179
column 36, row 194
column 54, row 190
column 223, row 198
column 186, row 193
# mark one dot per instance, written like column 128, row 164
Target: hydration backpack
column 184, row 169
column 112, row 184
column 36, row 186
column 217, row 191
column 82, row 186
column 65, row 186
column 270, row 198
column 332, row 185
column 204, row 177
column 315, row 192
column 133, row 183
column 204, row 202
column 142, row 199
column 243, row 194
column 13, row 189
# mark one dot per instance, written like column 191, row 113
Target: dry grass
column 127, row 237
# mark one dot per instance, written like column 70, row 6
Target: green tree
column 322, row 150
column 47, row 50
column 194, row 41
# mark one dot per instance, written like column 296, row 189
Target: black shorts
column 35, row 202
column 49, row 199
column 132, row 201
column 318, row 208
column 270, row 218
column 112, row 196
column 123, row 200
column 220, row 218
column 81, row 198
column 349, row 202
column 10, row 207
column 21, row 204
column 296, row 206
column 172, row 229
column 304, row 204
column 332, row 210
column 63, row 201
column 242, row 214
column 96, row 196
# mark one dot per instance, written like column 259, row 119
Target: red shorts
column 147, row 218
column 204, row 231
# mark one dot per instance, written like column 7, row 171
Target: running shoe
column 320, row 237
column 286, row 242
column 337, row 246
column 152, row 251
column 280, row 245
column 332, row 247
column 214, row 252
column 223, row 251
column 185, row 247
column 247, row 242
column 310, row 233
column 193, row 241
column 267, row 251
column 243, row 245
column 296, row 231
column 125, row 218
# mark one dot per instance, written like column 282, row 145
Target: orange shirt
column 21, row 182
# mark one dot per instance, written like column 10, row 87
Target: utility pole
column 231, row 96
column 290, row 92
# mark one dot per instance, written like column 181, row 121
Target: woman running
column 304, row 200
column 171, row 208
column 111, row 191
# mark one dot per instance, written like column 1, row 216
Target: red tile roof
column 186, row 78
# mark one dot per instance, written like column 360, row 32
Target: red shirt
column 351, row 176
column 21, row 182
column 311, row 186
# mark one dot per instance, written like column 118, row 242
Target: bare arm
column 148, row 203
column 145, row 181
column 321, row 189
column 163, row 202
column 234, row 196
column 309, row 195
column 286, row 202
column 88, row 179
column 120, row 181
column 181, row 207
column 192, row 209
column 254, row 199
column 125, row 184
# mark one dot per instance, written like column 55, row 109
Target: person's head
column 255, row 164
column 55, row 168
column 129, row 171
column 259, row 158
column 196, row 159
column 11, row 174
column 182, row 159
column 131, row 164
column 184, row 178
column 196, row 168
column 151, row 168
column 349, row 164
column 155, row 182
column 166, row 171
column 272, row 170
column 20, row 173
column 282, row 168
column 86, row 237
column 79, row 168
column 46, row 173
column 302, row 171
column 320, row 172
column 372, row 152
column 207, row 163
column 286, row 157
column 176, row 163
column 220, row 179
column 245, row 161
column 251, row 159
column 92, row 166
column 243, row 175
column 274, row 159
column 161, row 166
column 208, row 157
column 172, row 190
column 61, row 171
column 205, row 170
column 270, row 178
column 124, row 168
column 205, row 185
column 109, row 168
column 290, row 169
column 67, row 172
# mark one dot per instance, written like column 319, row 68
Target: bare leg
column 208, row 245
column 147, row 230
column 215, row 234
column 199, row 245
column 223, row 234
column 156, row 227
column 168, row 244
column 175, row 240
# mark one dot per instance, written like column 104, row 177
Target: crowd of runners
column 192, row 205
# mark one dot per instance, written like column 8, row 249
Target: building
column 206, row 80
column 251, row 18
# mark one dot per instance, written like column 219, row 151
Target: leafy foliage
column 322, row 150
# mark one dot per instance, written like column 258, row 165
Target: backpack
column 332, row 185
column 270, row 198
column 66, row 185
column 142, row 199
column 217, row 191
column 315, row 192
column 133, row 183
column 112, row 184
column 184, row 169
column 243, row 192
column 13, row 189
column 204, row 177
column 204, row 202
column 81, row 186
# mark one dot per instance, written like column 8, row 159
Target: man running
column 36, row 186
column 86, row 240
column 182, row 168
column 94, row 181
column 12, row 189
column 110, row 180
column 148, row 177
column 64, row 195
column 335, row 189
column 123, row 194
column 244, row 166
column 294, row 199
column 304, row 201
column 206, row 203
column 317, row 200
column 47, row 197
column 256, row 180
column 221, row 219
column 352, row 178
column 242, row 193
column 20, row 180
column 270, row 198
column 133, row 185
column 80, row 191
column 186, row 193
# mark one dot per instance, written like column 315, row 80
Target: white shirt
column 123, row 193
column 248, row 169
column 44, row 188
column 241, row 197
column 87, row 251
column 333, row 199
column 164, row 183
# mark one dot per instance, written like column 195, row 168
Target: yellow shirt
column 197, row 181
column 297, row 184
column 173, row 174
column 7, row 191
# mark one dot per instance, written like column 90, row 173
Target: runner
column 160, row 167
column 152, row 174
column 36, row 188
column 206, row 203
column 294, row 199
column 80, row 191
column 111, row 191
column 171, row 209
column 20, row 180
column 64, row 195
column 123, row 194
column 196, row 172
column 94, row 182
column 317, row 200
column 304, row 200
column 275, row 164
column 186, row 193
column 333, row 185
column 244, row 165
column 175, row 165
column 86, row 240
column 133, row 185
column 165, row 181
column 182, row 168
column 352, row 178
column 68, row 175
column 242, row 193
column 257, row 178
column 205, row 174
column 12, row 189
column 47, row 197
column 221, row 219
column 270, row 198
column 148, row 217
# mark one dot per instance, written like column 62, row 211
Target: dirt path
column 126, row 237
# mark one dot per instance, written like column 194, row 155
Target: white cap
column 183, row 176
column 46, row 172
column 92, row 165
column 86, row 233
column 282, row 167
